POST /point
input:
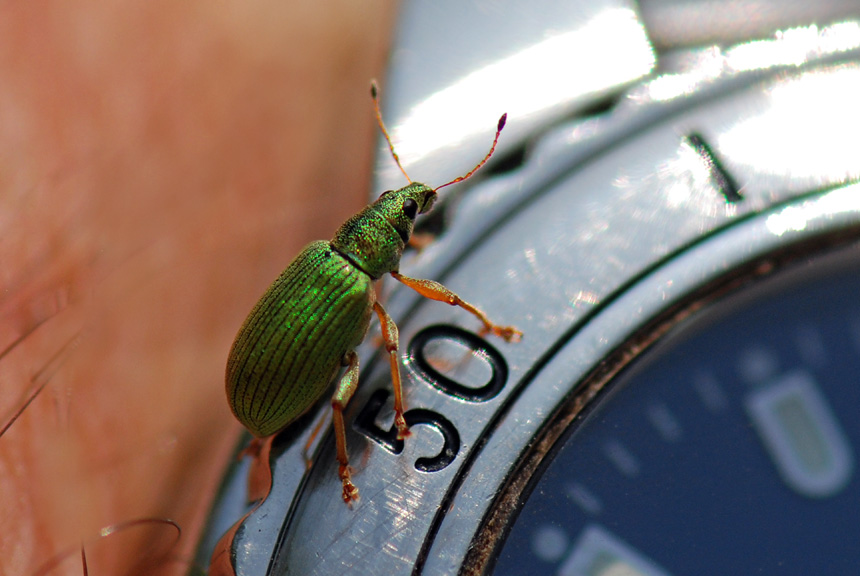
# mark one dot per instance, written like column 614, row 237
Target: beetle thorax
column 374, row 238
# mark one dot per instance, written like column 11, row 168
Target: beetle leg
column 342, row 393
column 306, row 451
column 260, row 475
column 392, row 336
column 435, row 291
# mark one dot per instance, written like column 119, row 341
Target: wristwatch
column 673, row 221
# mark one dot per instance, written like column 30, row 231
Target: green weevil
column 306, row 327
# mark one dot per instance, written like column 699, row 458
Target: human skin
column 160, row 163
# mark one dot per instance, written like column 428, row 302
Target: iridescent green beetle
column 306, row 326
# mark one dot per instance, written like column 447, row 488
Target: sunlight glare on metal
column 706, row 66
column 794, row 47
column 797, row 127
column 797, row 218
column 559, row 69
column 791, row 47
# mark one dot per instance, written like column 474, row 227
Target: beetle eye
column 410, row 208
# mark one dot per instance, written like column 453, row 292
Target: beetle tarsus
column 403, row 430
column 350, row 491
column 507, row 333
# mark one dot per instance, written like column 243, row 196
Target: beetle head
column 401, row 207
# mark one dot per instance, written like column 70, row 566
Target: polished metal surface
column 675, row 23
column 727, row 155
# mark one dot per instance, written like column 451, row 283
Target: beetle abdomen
column 293, row 341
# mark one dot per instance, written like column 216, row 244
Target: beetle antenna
column 374, row 93
column 501, row 125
